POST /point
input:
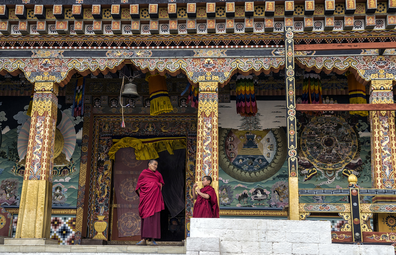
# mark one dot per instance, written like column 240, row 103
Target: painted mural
column 331, row 147
column 253, row 173
column 15, row 124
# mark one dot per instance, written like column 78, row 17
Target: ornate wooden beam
column 346, row 107
column 345, row 46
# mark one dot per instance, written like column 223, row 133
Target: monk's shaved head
column 207, row 177
column 152, row 161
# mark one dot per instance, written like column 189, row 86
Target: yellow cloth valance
column 146, row 149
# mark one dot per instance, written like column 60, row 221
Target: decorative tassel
column 246, row 99
column 78, row 104
column 312, row 89
column 193, row 96
column 357, row 94
column 159, row 98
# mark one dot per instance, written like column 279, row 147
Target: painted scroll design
column 367, row 67
column 197, row 69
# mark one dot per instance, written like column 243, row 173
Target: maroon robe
column 151, row 203
column 206, row 208
column 151, row 200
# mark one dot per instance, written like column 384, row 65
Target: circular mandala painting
column 252, row 156
column 329, row 143
column 129, row 224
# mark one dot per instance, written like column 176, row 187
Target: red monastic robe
column 206, row 208
column 151, row 200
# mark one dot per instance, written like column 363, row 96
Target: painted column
column 34, row 218
column 292, row 162
column 207, row 162
column 383, row 147
column 383, row 144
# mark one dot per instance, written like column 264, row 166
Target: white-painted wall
column 226, row 236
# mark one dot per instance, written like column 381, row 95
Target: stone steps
column 228, row 236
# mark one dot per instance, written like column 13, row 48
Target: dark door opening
column 125, row 220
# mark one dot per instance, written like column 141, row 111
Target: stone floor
column 90, row 249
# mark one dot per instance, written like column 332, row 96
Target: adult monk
column 206, row 205
column 149, row 187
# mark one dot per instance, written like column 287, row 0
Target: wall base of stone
column 272, row 237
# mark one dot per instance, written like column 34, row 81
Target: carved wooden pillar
column 291, row 124
column 34, row 216
column 383, row 136
column 383, row 147
column 207, row 162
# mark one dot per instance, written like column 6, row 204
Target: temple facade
column 287, row 105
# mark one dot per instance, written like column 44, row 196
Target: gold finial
column 352, row 179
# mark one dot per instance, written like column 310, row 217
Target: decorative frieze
column 116, row 11
column 211, row 10
column 20, row 11
column 97, row 27
column 116, row 26
column 172, row 10
column 23, row 27
column 309, row 7
column 58, row 11
column 39, row 11
column 3, row 11
column 77, row 11
column 269, row 8
column 371, row 6
column 391, row 6
column 173, row 26
column 349, row 22
column 153, row 11
column 135, row 27
column 79, row 27
column 154, row 26
column 230, row 9
column 134, row 11
column 269, row 24
column 329, row 23
column 230, row 25
column 329, row 7
column 191, row 10
column 249, row 9
column 249, row 23
column 42, row 27
column 308, row 23
column 97, row 11
column 211, row 25
column 62, row 27
column 370, row 21
column 289, row 7
column 390, row 21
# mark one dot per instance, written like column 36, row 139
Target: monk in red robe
column 206, row 205
column 149, row 187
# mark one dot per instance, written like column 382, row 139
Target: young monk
column 206, row 205
column 149, row 189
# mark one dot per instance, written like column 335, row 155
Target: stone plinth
column 272, row 237
column 29, row 241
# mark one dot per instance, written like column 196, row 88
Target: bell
column 130, row 91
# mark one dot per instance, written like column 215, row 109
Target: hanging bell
column 130, row 91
